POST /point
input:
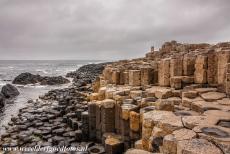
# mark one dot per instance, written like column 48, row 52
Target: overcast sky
column 106, row 29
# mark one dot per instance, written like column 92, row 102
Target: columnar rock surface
column 175, row 100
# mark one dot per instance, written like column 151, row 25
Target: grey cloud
column 106, row 29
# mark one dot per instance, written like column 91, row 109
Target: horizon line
column 54, row 59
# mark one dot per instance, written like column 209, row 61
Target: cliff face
column 175, row 100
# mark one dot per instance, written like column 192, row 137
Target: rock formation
column 28, row 78
column 86, row 74
column 173, row 101
column 2, row 100
column 9, row 91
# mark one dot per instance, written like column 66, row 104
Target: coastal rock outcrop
column 173, row 101
column 86, row 74
column 9, row 91
column 28, row 78
column 53, row 80
column 2, row 100
column 161, row 102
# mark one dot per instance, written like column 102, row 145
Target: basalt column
column 212, row 68
column 98, row 121
column 125, row 124
column 201, row 65
column 108, row 116
column 223, row 60
column 108, row 74
column 228, row 79
column 134, row 77
column 116, row 77
column 92, row 120
column 134, row 127
column 146, row 76
column 164, row 72
column 188, row 65
column 176, row 70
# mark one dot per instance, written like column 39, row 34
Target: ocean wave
column 2, row 83
column 10, row 67
column 37, row 85
column 43, row 71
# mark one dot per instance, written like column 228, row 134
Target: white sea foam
column 10, row 67
column 41, row 70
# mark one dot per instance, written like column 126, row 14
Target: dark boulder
column 28, row 78
column 9, row 91
column 2, row 100
column 54, row 80
column 86, row 74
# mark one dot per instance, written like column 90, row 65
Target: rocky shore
column 172, row 101
column 7, row 93
column 28, row 78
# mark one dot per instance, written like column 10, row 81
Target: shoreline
column 55, row 105
column 171, row 101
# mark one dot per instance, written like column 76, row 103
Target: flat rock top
column 158, row 88
column 213, row 96
column 197, row 146
column 204, row 90
column 218, row 113
column 137, row 151
column 214, row 131
column 165, row 120
column 192, row 121
column 108, row 103
column 157, row 115
column 112, row 141
column 225, row 101
column 184, row 134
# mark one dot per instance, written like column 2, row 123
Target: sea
column 9, row 69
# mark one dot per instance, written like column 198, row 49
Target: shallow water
column 26, row 93
column 10, row 69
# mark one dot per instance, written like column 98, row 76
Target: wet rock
column 78, row 134
column 96, row 149
column 59, row 131
column 86, row 74
column 9, row 91
column 57, row 139
column 215, row 132
column 224, row 123
column 186, row 113
column 220, row 136
column 54, row 80
column 28, row 78
column 2, row 100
